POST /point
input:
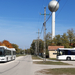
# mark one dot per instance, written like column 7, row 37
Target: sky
column 21, row 19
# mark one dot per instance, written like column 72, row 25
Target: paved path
column 69, row 62
column 21, row 66
column 41, row 67
column 24, row 66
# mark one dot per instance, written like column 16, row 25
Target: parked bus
column 7, row 54
column 66, row 53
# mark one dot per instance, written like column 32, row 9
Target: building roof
column 51, row 48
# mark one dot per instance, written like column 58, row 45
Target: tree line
column 67, row 40
column 10, row 45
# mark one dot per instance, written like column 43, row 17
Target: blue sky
column 21, row 19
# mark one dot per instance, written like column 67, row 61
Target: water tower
column 53, row 7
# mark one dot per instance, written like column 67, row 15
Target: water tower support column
column 53, row 25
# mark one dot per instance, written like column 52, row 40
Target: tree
column 48, row 39
column 70, row 35
column 74, row 42
column 21, row 51
column 7, row 44
column 32, row 49
column 16, row 47
column 41, row 46
column 48, row 36
column 28, row 51
column 0, row 43
column 65, row 41
column 34, row 44
column 57, row 40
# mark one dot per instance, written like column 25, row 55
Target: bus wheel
column 68, row 58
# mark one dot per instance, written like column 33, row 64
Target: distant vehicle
column 7, row 54
column 66, row 53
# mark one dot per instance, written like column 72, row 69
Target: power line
column 62, row 7
column 48, row 17
column 41, row 31
column 53, row 9
column 40, row 11
column 40, row 19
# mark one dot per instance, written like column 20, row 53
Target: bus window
column 1, row 52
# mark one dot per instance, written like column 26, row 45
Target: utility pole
column 44, row 24
column 36, row 47
column 44, row 53
column 38, row 40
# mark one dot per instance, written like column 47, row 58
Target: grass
column 17, row 55
column 35, row 57
column 52, row 58
column 50, row 63
column 60, row 71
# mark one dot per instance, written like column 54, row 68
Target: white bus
column 66, row 53
column 7, row 54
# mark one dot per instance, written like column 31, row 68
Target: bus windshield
column 65, row 52
column 60, row 52
column 1, row 52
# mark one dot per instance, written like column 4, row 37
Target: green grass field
column 17, row 55
column 52, row 58
column 60, row 71
column 35, row 57
column 50, row 63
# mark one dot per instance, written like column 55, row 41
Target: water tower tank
column 53, row 6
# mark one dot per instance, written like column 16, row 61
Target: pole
column 44, row 52
column 38, row 40
column 36, row 47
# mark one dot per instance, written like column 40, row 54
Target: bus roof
column 13, row 49
column 66, row 49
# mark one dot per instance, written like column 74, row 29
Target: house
column 53, row 51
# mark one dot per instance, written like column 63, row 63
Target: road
column 20, row 66
column 24, row 65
